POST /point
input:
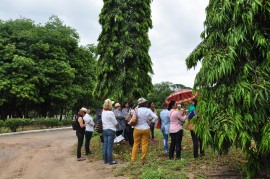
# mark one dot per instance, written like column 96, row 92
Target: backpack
column 98, row 124
column 75, row 125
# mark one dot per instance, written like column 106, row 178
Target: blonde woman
column 141, row 132
column 109, row 123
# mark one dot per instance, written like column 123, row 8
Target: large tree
column 124, row 63
column 234, row 81
column 42, row 69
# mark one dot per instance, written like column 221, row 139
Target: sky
column 177, row 25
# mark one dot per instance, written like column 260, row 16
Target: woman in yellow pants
column 141, row 132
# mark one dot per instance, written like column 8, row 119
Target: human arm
column 82, row 125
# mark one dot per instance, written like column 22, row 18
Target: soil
column 48, row 155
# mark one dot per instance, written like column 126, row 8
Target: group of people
column 114, row 123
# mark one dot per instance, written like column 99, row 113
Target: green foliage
column 66, row 122
column 43, row 70
column 161, row 91
column 2, row 123
column 51, row 122
column 234, row 80
column 13, row 124
column 124, row 65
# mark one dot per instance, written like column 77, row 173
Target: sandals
column 80, row 159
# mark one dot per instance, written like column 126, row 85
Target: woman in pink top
column 176, row 130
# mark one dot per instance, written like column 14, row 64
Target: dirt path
column 46, row 155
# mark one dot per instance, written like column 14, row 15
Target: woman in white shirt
column 89, row 128
column 141, row 132
column 109, row 128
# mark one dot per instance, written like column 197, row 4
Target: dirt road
column 46, row 155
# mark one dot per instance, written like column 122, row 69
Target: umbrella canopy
column 181, row 96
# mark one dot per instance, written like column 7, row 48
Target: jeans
column 140, row 136
column 152, row 128
column 108, row 138
column 196, row 141
column 165, row 140
column 80, row 143
column 88, row 136
column 176, row 142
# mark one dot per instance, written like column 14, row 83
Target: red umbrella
column 181, row 96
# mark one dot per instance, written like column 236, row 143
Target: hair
column 149, row 104
column 87, row 107
column 81, row 113
column 171, row 104
column 107, row 105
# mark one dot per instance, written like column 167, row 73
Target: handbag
column 158, row 124
column 134, row 120
column 190, row 126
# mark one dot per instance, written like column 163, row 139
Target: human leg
column 87, row 141
column 195, row 144
column 152, row 128
column 137, row 140
column 172, row 146
column 165, row 141
column 145, row 142
column 111, row 136
column 178, row 146
column 105, row 146
column 79, row 144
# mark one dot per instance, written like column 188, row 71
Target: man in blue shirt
column 165, row 126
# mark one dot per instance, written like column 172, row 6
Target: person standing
column 80, row 132
column 197, row 141
column 120, row 119
column 89, row 128
column 109, row 123
column 125, row 112
column 141, row 132
column 165, row 126
column 151, row 106
column 176, row 130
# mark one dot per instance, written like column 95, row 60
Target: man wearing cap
column 141, row 132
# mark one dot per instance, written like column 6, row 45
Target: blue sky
column 177, row 25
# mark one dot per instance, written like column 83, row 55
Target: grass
column 159, row 166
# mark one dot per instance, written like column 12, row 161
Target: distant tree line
column 43, row 70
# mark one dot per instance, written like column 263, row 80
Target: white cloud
column 177, row 25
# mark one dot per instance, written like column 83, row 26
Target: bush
column 13, row 124
column 66, row 122
column 51, row 122
column 2, row 123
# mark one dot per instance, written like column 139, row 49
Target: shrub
column 51, row 122
column 66, row 122
column 13, row 124
column 2, row 123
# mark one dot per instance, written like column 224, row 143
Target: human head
column 82, row 112
column 151, row 104
column 126, row 104
column 117, row 105
column 142, row 102
column 179, row 106
column 88, row 109
column 171, row 105
column 107, row 105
